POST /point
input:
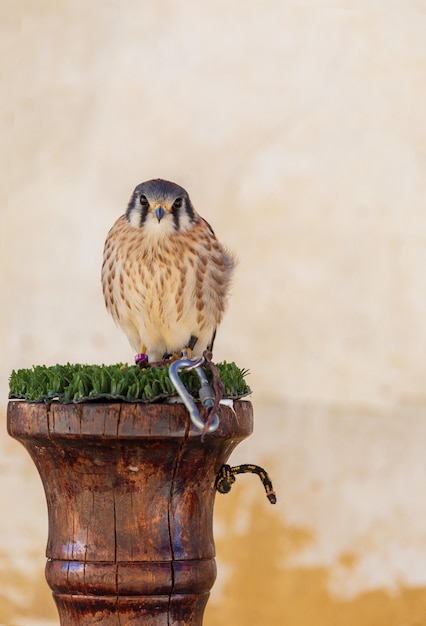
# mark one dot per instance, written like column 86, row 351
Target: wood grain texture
column 130, row 491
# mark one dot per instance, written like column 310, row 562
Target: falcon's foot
column 186, row 352
column 170, row 357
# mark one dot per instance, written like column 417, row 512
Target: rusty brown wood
column 130, row 491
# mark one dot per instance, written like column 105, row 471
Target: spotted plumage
column 165, row 276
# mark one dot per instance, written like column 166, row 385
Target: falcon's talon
column 186, row 353
column 169, row 357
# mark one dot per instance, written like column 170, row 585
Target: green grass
column 80, row 383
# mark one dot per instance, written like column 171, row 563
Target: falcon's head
column 160, row 207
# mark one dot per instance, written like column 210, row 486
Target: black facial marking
column 143, row 201
column 176, row 216
column 144, row 213
column 189, row 210
column 131, row 204
column 183, row 204
column 135, row 202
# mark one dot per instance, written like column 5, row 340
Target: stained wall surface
column 299, row 130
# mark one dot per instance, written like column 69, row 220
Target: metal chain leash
column 208, row 420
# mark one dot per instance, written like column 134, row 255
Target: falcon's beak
column 160, row 212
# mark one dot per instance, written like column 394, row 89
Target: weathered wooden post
column 130, row 489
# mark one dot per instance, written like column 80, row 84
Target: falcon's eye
column 177, row 203
column 143, row 200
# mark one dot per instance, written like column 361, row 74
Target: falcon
column 165, row 276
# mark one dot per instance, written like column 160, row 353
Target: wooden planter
column 130, row 490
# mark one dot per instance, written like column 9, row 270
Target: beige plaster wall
column 299, row 129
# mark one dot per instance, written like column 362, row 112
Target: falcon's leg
column 187, row 351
